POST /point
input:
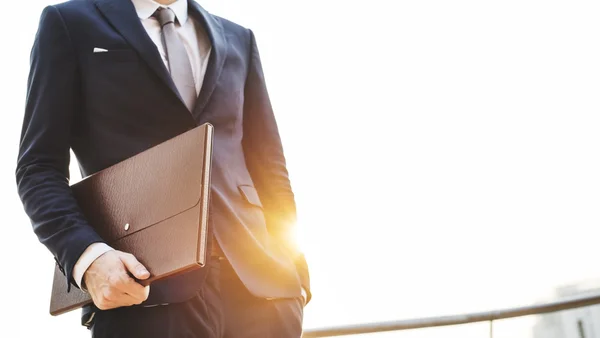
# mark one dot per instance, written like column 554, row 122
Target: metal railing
column 489, row 316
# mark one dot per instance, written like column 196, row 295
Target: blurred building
column 577, row 323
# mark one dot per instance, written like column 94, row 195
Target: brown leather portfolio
column 153, row 205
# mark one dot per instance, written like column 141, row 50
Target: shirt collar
column 145, row 9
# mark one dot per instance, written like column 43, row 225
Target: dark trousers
column 222, row 308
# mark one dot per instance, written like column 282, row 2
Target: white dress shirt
column 197, row 45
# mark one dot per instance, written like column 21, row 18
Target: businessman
column 112, row 78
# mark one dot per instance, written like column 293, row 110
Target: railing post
column 491, row 328
column 580, row 328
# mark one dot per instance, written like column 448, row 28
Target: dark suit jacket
column 110, row 106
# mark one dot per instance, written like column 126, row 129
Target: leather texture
column 153, row 205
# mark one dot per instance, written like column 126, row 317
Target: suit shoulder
column 74, row 7
column 236, row 34
column 75, row 14
column 232, row 27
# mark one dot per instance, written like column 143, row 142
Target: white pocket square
column 100, row 50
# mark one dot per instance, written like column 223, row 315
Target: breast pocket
column 250, row 195
column 114, row 56
column 112, row 70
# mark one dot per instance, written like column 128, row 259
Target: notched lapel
column 218, row 53
column 122, row 16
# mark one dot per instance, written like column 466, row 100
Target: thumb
column 134, row 266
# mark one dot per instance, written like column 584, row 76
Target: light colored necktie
column 179, row 62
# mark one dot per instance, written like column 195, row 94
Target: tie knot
column 164, row 16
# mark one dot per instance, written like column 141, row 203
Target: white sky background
column 444, row 155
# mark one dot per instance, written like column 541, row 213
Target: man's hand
column 109, row 284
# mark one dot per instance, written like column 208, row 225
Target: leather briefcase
column 153, row 205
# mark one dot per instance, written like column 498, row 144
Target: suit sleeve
column 42, row 171
column 266, row 162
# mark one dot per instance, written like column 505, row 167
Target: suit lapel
column 218, row 53
column 123, row 17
